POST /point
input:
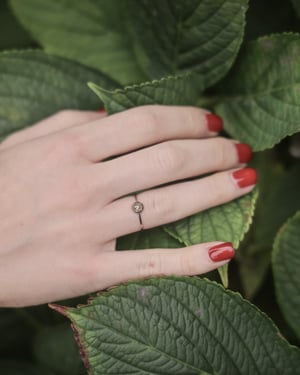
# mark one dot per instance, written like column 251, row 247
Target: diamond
column 137, row 207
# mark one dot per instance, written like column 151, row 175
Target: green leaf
column 175, row 37
column 228, row 222
column 91, row 32
column 261, row 105
column 34, row 85
column 148, row 239
column 173, row 90
column 179, row 325
column 55, row 349
column 286, row 266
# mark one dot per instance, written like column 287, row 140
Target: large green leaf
column 91, row 32
column 286, row 266
column 173, row 37
column 261, row 103
column 34, row 85
column 228, row 222
column 179, row 326
column 173, row 90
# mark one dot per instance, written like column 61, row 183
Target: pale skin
column 64, row 201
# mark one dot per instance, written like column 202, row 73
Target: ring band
column 138, row 207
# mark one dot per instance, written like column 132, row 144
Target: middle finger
column 171, row 161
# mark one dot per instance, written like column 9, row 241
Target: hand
column 64, row 200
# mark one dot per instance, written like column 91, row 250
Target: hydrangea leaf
column 34, row 85
column 261, row 103
column 91, row 32
column 172, row 90
column 178, row 325
column 174, row 37
column 286, row 266
column 148, row 239
column 228, row 222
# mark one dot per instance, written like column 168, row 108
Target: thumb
column 192, row 260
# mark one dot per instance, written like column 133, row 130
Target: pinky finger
column 188, row 261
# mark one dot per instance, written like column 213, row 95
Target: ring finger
column 170, row 203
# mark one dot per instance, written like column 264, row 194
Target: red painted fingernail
column 102, row 110
column 245, row 177
column 244, row 152
column 214, row 123
column 223, row 251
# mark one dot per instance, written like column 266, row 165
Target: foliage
column 214, row 54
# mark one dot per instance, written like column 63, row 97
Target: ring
column 138, row 207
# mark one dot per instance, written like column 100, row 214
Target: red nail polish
column 223, row 251
column 244, row 152
column 214, row 123
column 102, row 110
column 245, row 177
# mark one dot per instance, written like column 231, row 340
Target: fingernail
column 245, row 177
column 223, row 251
column 102, row 110
column 214, row 123
column 244, row 152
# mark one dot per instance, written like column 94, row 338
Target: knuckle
column 217, row 189
column 169, row 157
column 187, row 265
column 150, row 265
column 193, row 121
column 70, row 140
column 148, row 117
column 160, row 205
column 223, row 150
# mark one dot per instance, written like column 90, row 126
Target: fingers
column 173, row 202
column 171, row 161
column 59, row 121
column 143, row 126
column 192, row 260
